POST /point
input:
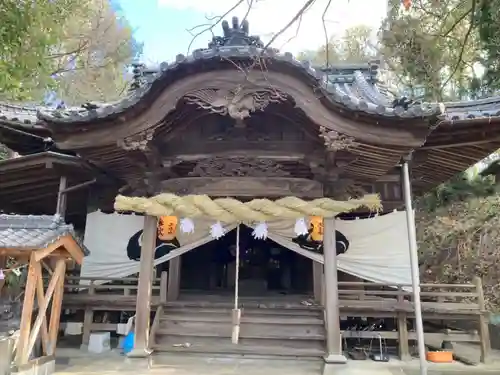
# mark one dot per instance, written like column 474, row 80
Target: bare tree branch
column 297, row 16
column 210, row 27
column 327, row 41
column 464, row 43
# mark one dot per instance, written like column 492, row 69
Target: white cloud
column 269, row 16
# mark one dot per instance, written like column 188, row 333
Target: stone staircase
column 290, row 330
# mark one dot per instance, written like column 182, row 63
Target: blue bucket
column 128, row 343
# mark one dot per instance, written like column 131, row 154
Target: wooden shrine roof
column 445, row 138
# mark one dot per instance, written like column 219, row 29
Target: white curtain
column 107, row 237
column 378, row 249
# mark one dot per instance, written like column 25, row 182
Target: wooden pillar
column 484, row 331
column 163, row 286
column 55, row 313
column 404, row 348
column 333, row 335
column 174, row 278
column 22, row 353
column 88, row 319
column 62, row 197
column 317, row 281
column 143, row 304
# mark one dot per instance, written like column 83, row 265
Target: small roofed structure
column 39, row 242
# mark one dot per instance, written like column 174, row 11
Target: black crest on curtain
column 306, row 242
column 162, row 247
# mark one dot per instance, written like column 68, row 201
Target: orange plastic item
column 440, row 357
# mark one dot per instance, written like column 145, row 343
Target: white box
column 99, row 342
column 122, row 329
column 73, row 328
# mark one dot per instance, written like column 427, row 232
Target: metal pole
column 236, row 311
column 415, row 272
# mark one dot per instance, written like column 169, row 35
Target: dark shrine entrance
column 265, row 267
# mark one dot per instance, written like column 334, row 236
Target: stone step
column 247, row 347
column 229, row 304
column 245, row 318
column 247, row 330
column 255, row 312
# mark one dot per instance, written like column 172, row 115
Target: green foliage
column 77, row 48
column 354, row 46
column 101, row 46
column 488, row 20
column 459, row 188
column 28, row 30
column 435, row 45
column 451, row 48
column 4, row 152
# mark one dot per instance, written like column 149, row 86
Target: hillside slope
column 460, row 241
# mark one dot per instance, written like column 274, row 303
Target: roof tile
column 33, row 231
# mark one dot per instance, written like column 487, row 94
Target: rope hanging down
column 230, row 210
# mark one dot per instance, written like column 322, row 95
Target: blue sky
column 162, row 24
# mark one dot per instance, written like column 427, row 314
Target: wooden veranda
column 443, row 303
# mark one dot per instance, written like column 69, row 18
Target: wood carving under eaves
column 334, row 141
column 238, row 167
column 137, row 141
column 237, row 103
column 344, row 188
column 241, row 132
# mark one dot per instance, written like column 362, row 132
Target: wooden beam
column 453, row 143
column 278, row 150
column 39, row 160
column 22, row 353
column 244, row 186
column 143, row 304
column 24, row 190
column 43, row 253
column 42, row 308
column 9, row 180
column 55, row 313
column 40, row 296
column 33, row 197
column 61, row 197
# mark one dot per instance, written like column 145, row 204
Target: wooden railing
column 440, row 302
column 93, row 294
column 156, row 324
column 126, row 286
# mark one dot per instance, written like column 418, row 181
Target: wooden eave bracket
column 67, row 243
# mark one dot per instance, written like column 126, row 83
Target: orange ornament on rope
column 167, row 228
column 316, row 223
